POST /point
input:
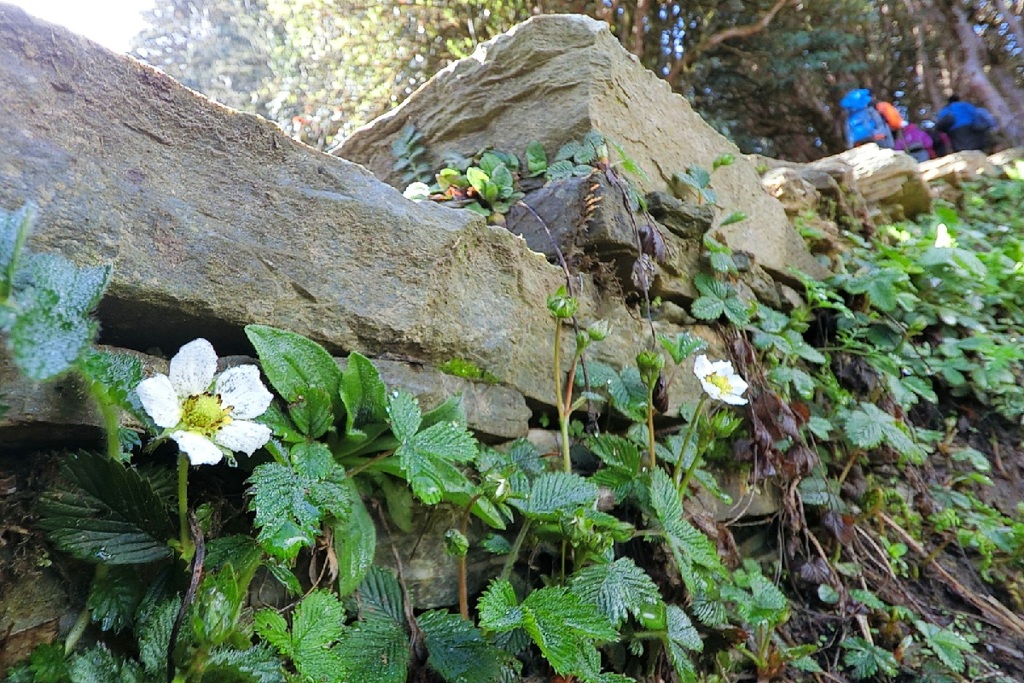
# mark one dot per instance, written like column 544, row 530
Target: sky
column 111, row 23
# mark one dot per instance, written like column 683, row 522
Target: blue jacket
column 960, row 114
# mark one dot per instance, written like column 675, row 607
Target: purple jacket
column 912, row 139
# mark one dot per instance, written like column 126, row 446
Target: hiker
column 968, row 126
column 863, row 122
column 915, row 142
column 907, row 137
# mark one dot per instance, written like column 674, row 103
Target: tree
column 767, row 73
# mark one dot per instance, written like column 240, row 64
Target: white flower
column 942, row 237
column 417, row 192
column 720, row 381
column 207, row 423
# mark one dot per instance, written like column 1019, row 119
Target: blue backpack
column 863, row 122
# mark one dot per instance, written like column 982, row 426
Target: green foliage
column 467, row 370
column 410, row 152
column 718, row 298
column 430, row 457
column 114, row 597
column 46, row 302
column 458, row 651
column 563, row 625
column 290, row 500
column 103, row 512
column 317, row 625
column 619, row 588
column 948, row 645
column 866, row 659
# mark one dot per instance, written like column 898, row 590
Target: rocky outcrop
column 553, row 79
column 213, row 219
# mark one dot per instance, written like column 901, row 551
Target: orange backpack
column 890, row 114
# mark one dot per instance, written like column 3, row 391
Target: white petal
column 199, row 449
column 193, row 368
column 711, row 390
column 242, row 389
column 702, row 366
column 242, row 436
column 159, row 400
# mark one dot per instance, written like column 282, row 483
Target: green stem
column 677, row 475
column 563, row 409
column 84, row 617
column 186, row 540
column 513, row 555
column 650, row 429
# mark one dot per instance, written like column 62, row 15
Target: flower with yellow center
column 207, row 416
column 720, row 381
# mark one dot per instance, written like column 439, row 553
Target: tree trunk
column 1012, row 21
column 977, row 80
column 924, row 70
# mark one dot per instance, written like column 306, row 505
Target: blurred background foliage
column 766, row 73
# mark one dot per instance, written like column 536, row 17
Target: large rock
column 889, row 179
column 213, row 219
column 553, row 79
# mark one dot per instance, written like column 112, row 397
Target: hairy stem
column 650, row 429
column 513, row 555
column 186, row 538
column 680, row 479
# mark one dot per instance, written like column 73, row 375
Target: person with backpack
column 863, row 122
column 915, row 142
column 968, row 126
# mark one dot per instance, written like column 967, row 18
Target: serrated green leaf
column 564, row 626
column 458, row 651
column 429, row 458
column 682, row 347
column 820, row 427
column 363, row 393
column 355, row 542
column 499, row 608
column 691, row 549
column 568, row 151
column 681, row 630
column 405, row 415
column 619, row 588
column 154, row 623
column 736, row 310
column 293, row 363
column 375, row 649
column 311, row 412
column 102, row 512
column 557, row 493
column 256, row 664
column 316, row 626
column 948, row 645
column 866, row 659
column 117, row 373
column 290, row 505
column 864, row 426
column 99, row 664
column 560, row 170
column 53, row 326
column 380, row 593
column 114, row 596
column 721, row 262
column 273, row 628
column 707, row 308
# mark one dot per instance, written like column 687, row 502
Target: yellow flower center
column 721, row 382
column 204, row 414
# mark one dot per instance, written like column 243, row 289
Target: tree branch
column 745, row 31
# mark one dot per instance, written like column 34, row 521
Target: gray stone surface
column 213, row 219
column 553, row 79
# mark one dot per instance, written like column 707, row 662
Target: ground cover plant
column 886, row 413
